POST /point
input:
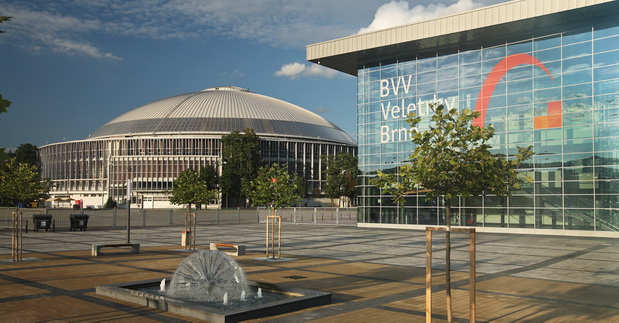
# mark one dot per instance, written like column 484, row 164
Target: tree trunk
column 448, row 259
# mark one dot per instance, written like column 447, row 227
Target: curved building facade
column 544, row 73
column 151, row 145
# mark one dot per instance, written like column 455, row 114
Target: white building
column 152, row 144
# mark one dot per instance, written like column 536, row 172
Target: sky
column 70, row 66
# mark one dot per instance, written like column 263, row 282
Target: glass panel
column 577, row 50
column 606, row 73
column 521, row 218
column 605, row 59
column 577, row 91
column 447, row 61
column 579, row 219
column 495, row 217
column 575, row 64
column 606, row 44
column 549, row 219
column 607, row 220
column 583, row 76
column 493, row 53
column 525, row 47
column 577, row 36
column 470, row 57
column 547, row 42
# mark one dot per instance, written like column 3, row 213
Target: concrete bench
column 133, row 248
column 239, row 250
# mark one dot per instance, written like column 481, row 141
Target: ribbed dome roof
column 221, row 110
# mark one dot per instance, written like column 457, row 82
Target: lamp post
column 128, row 210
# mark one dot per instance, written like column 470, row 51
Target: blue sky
column 70, row 66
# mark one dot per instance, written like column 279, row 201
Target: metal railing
column 117, row 218
column 314, row 215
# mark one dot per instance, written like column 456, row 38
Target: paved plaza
column 375, row 275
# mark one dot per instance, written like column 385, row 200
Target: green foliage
column 4, row 104
column 453, row 158
column 28, row 154
column 189, row 189
column 3, row 19
column 398, row 185
column 4, row 158
column 209, row 176
column 274, row 188
column 110, row 203
column 241, row 160
column 20, row 183
column 341, row 175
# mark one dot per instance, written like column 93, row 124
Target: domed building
column 152, row 144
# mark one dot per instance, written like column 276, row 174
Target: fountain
column 210, row 285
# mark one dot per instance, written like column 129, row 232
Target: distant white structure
column 153, row 144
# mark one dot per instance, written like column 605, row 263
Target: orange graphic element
column 552, row 120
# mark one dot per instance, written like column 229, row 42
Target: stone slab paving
column 374, row 274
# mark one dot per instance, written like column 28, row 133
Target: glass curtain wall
column 558, row 93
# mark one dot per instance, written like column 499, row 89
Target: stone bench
column 133, row 248
column 239, row 250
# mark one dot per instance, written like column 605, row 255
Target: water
column 208, row 276
column 253, row 297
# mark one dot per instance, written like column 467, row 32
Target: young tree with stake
column 453, row 158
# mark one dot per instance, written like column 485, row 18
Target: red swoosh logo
column 497, row 73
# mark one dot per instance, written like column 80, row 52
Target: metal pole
column 193, row 233
column 129, row 221
column 128, row 211
column 337, row 216
column 472, row 279
column 13, row 235
column 428, row 276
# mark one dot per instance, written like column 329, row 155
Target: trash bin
column 185, row 238
column 79, row 221
column 42, row 221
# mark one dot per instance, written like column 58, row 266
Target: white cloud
column 397, row 13
column 75, row 48
column 281, row 24
column 52, row 31
column 296, row 70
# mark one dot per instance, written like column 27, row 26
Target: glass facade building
column 554, row 87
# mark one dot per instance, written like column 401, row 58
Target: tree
column 274, row 188
column 29, row 154
column 4, row 104
column 20, row 183
column 3, row 19
column 189, row 189
column 241, row 160
column 453, row 158
column 341, row 176
column 110, row 203
column 209, row 176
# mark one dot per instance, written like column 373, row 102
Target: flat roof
column 487, row 27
